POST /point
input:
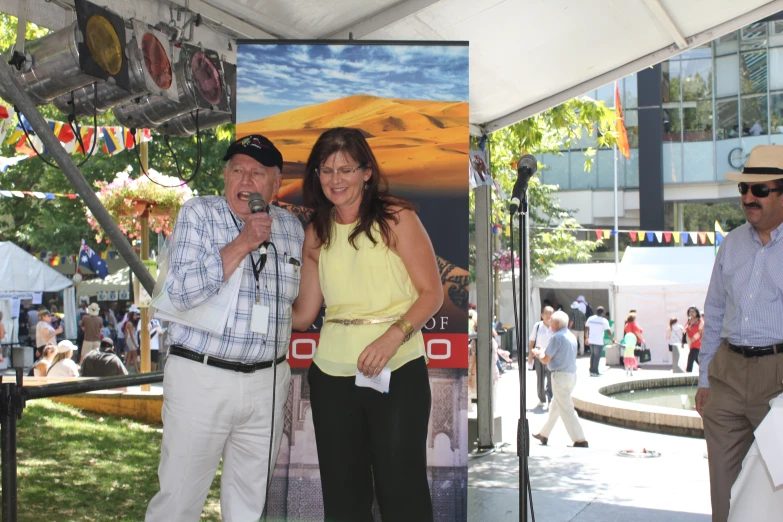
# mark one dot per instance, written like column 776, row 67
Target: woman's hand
column 374, row 358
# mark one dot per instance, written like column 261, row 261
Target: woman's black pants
column 373, row 443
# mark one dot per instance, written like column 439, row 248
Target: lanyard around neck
column 255, row 266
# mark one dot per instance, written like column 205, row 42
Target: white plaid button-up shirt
column 204, row 226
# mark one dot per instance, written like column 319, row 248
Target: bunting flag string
column 55, row 259
column 35, row 194
column 115, row 139
column 715, row 237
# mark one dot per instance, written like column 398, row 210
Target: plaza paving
column 593, row 484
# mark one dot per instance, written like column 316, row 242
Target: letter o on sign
column 441, row 355
column 295, row 353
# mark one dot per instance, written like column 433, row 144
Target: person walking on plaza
column 674, row 338
column 741, row 356
column 694, row 329
column 539, row 338
column 577, row 324
column 597, row 327
column 560, row 357
column 92, row 325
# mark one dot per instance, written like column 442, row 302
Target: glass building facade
column 718, row 102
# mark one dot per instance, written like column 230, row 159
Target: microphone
column 256, row 204
column 526, row 167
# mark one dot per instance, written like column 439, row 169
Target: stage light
column 201, row 84
column 90, row 49
column 150, row 61
column 187, row 124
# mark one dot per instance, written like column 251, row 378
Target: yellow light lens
column 104, row 44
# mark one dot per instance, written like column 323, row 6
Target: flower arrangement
column 501, row 260
column 126, row 199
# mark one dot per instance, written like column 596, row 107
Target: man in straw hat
column 92, row 324
column 741, row 360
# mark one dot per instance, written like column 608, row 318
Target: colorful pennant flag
column 622, row 134
column 684, row 236
column 599, row 233
column 667, row 236
column 633, row 236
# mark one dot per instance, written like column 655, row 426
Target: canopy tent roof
column 689, row 267
column 116, row 282
column 526, row 56
column 587, row 276
column 22, row 272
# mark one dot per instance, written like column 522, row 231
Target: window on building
column 754, row 115
column 696, row 79
column 776, row 33
column 753, row 36
column 727, row 44
column 728, row 119
column 776, row 69
column 631, row 92
column 672, row 122
column 697, row 121
column 753, row 72
column 671, row 81
column 632, row 126
column 727, row 76
column 776, row 112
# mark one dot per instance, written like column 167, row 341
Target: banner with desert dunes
column 411, row 102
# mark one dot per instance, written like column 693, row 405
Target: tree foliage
column 551, row 132
column 59, row 225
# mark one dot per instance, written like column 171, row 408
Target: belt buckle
column 247, row 367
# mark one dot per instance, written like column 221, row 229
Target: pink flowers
column 501, row 260
column 126, row 199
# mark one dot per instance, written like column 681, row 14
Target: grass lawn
column 75, row 465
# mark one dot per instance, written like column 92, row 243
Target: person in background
column 62, row 364
column 577, row 324
column 694, row 329
column 44, row 333
column 119, row 332
column 539, row 338
column 103, row 362
column 560, row 357
column 130, row 331
column 91, row 326
column 156, row 332
column 629, row 359
column 674, row 337
column 24, row 326
column 41, row 366
column 632, row 326
column 597, row 328
column 81, row 312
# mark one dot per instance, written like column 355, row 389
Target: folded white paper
column 211, row 315
column 380, row 382
column 769, row 436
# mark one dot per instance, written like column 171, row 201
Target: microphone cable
column 522, row 427
column 270, row 468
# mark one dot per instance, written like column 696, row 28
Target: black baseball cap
column 257, row 147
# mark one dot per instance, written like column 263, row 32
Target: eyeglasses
column 344, row 171
column 760, row 191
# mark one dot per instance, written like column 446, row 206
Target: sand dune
column 418, row 143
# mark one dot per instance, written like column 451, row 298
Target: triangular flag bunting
column 607, row 233
column 659, row 237
column 668, row 237
column 719, row 238
column 642, row 235
column 702, row 238
column 633, row 236
column 711, row 237
column 684, row 237
column 599, row 234
column 695, row 238
column 649, row 236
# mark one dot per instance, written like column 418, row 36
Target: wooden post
column 144, row 255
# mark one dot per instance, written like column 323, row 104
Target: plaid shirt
column 204, row 226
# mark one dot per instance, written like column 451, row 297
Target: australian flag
column 89, row 259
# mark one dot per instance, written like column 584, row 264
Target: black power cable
column 270, row 468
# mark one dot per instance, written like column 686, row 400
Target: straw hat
column 765, row 163
column 94, row 309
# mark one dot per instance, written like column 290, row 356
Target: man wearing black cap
column 218, row 387
column 103, row 362
column 741, row 359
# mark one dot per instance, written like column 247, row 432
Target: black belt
column 756, row 351
column 234, row 366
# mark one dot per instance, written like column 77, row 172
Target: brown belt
column 756, row 351
column 348, row 322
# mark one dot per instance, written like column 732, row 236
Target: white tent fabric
column 526, row 56
column 21, row 272
column 660, row 283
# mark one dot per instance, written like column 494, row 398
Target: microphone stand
column 523, row 429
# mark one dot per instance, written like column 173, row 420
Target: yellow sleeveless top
column 368, row 282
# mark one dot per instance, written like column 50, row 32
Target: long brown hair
column 376, row 204
column 59, row 357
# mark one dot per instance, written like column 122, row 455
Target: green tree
column 551, row 132
column 702, row 216
column 59, row 225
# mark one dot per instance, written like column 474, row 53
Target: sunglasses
column 760, row 191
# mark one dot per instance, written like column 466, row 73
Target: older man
column 224, row 393
column 560, row 358
column 741, row 359
column 539, row 338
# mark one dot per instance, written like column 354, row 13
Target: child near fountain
column 629, row 359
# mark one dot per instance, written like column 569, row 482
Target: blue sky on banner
column 276, row 78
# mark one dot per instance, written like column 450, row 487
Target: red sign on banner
column 443, row 350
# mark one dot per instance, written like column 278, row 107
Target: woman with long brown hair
column 368, row 257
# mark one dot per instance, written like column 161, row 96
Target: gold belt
column 348, row 322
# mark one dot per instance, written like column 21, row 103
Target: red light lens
column 156, row 61
column 206, row 77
